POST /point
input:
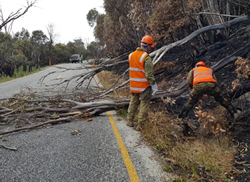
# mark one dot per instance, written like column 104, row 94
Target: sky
column 67, row 16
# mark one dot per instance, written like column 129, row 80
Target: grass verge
column 18, row 73
column 206, row 156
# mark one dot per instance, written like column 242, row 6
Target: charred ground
column 177, row 63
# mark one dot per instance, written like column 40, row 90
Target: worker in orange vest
column 142, row 81
column 202, row 81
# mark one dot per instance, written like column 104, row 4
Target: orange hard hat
column 201, row 63
column 148, row 40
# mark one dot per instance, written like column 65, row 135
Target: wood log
column 9, row 148
column 4, row 109
column 232, row 57
column 37, row 125
column 160, row 52
column 72, row 115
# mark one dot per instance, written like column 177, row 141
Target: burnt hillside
column 174, row 67
column 229, row 56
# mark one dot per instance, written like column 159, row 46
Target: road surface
column 106, row 150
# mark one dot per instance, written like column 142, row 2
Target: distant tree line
column 36, row 49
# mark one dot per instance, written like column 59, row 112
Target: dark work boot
column 130, row 123
column 189, row 128
column 183, row 114
column 232, row 111
column 192, row 125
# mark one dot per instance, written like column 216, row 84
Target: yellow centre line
column 127, row 161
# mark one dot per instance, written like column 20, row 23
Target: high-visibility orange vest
column 137, row 77
column 202, row 74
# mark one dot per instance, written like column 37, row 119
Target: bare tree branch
column 217, row 14
column 166, row 48
column 15, row 15
column 37, row 125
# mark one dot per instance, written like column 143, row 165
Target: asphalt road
column 50, row 84
column 106, row 150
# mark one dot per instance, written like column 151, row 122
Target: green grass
column 18, row 73
column 168, row 169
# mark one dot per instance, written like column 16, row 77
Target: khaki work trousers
column 206, row 88
column 139, row 101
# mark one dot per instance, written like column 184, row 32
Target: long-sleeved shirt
column 148, row 68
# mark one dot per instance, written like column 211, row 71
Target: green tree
column 60, row 54
column 7, row 65
column 6, row 46
column 92, row 17
column 38, row 40
column 93, row 48
column 98, row 30
column 22, row 35
column 26, row 48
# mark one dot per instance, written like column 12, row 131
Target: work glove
column 154, row 88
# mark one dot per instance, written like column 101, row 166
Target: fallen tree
column 87, row 109
column 158, row 54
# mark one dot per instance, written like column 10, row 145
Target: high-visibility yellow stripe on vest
column 202, row 74
column 137, row 77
